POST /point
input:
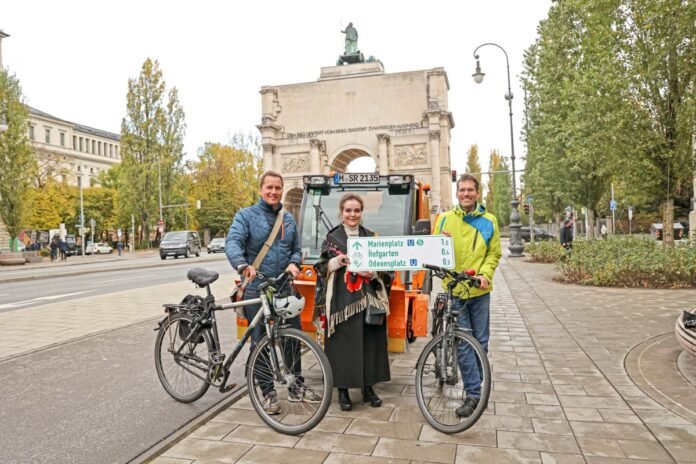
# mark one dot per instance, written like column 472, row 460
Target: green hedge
column 545, row 252
column 629, row 262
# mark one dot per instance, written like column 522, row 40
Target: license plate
column 356, row 178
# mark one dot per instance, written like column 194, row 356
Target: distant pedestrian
column 54, row 248
column 603, row 231
column 63, row 248
column 119, row 246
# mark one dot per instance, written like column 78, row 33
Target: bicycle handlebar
column 441, row 272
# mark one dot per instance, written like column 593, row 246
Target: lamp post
column 515, row 246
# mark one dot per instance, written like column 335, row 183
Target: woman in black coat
column 357, row 351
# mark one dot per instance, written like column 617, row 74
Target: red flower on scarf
column 354, row 281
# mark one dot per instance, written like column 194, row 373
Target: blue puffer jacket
column 250, row 230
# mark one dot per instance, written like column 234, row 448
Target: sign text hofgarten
column 402, row 253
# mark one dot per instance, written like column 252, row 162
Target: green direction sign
column 400, row 253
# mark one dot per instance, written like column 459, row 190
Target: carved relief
column 268, row 147
column 434, row 135
column 413, row 155
column 383, row 138
column 296, row 162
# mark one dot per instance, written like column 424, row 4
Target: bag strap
column 266, row 246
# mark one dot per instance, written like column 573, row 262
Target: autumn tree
column 17, row 161
column 499, row 193
column 473, row 165
column 151, row 145
column 225, row 180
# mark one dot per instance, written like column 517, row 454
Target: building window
column 62, row 139
column 94, row 144
column 79, row 168
column 81, row 144
column 74, row 142
column 47, row 137
column 99, row 148
column 91, row 170
column 31, row 132
column 111, row 150
column 116, row 151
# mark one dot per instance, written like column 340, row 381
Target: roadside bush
column 629, row 262
column 545, row 252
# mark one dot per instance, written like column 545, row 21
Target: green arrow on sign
column 357, row 245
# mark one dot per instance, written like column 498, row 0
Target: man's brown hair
column 271, row 174
column 468, row 177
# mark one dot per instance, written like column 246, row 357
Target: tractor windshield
column 385, row 213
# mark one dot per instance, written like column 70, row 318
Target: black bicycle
column 288, row 375
column 439, row 386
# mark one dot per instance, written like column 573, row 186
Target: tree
column 578, row 113
column 225, row 180
column 499, row 189
column 473, row 165
column 52, row 204
column 17, row 161
column 151, row 145
column 659, row 59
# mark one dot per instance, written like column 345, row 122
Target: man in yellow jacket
column 476, row 241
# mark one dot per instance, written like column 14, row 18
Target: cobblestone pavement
column 580, row 374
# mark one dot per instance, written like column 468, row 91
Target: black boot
column 369, row 396
column 344, row 400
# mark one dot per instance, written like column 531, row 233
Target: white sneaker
column 303, row 394
column 271, row 404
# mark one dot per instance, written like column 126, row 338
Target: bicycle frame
column 208, row 319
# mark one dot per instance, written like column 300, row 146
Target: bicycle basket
column 288, row 302
column 192, row 303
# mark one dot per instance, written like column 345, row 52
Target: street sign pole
column 82, row 218
column 613, row 211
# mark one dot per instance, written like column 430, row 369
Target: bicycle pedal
column 228, row 388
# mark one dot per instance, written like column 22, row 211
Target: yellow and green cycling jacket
column 476, row 243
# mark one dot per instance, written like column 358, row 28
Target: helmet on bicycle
column 289, row 303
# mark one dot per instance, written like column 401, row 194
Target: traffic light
column 526, row 208
column 454, row 175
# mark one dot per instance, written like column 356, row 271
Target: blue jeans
column 295, row 365
column 474, row 314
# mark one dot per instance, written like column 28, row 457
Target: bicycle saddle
column 201, row 277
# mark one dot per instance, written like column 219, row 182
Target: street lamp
column 515, row 246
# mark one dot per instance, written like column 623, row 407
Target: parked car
column 98, row 248
column 217, row 245
column 72, row 248
column 539, row 234
column 180, row 243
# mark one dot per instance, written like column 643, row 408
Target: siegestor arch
column 341, row 158
column 293, row 201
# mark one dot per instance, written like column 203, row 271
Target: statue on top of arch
column 351, row 54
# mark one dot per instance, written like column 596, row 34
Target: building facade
column 67, row 151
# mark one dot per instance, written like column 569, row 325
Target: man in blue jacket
column 250, row 229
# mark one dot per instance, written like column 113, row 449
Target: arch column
column 269, row 163
column 435, row 170
column 383, row 153
column 314, row 156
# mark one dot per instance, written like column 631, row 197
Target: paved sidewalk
column 581, row 374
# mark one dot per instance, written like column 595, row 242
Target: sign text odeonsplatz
column 403, row 253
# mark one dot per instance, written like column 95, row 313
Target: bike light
column 314, row 180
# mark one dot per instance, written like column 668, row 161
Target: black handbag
column 374, row 315
column 689, row 320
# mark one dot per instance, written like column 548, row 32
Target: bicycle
column 439, row 386
column 188, row 358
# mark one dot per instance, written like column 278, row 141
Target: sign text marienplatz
column 402, row 253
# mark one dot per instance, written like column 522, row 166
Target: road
column 96, row 399
column 45, row 285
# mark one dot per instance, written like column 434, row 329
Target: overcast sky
column 74, row 58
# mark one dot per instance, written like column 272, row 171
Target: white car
column 98, row 248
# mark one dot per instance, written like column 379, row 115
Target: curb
column 157, row 449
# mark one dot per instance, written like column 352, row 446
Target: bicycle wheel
column 182, row 368
column 439, row 387
column 303, row 391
